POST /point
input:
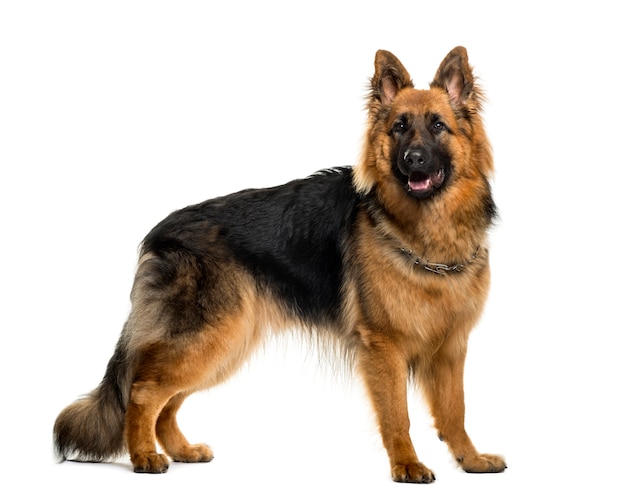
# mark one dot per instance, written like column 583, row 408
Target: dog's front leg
column 442, row 383
column 385, row 372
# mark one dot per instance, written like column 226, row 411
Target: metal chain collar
column 439, row 268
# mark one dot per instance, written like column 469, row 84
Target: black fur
column 286, row 236
column 429, row 129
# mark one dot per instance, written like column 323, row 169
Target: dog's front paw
column 482, row 463
column 412, row 473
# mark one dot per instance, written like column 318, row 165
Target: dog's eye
column 440, row 126
column 399, row 127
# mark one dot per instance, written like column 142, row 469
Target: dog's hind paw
column 150, row 462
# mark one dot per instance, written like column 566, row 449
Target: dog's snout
column 416, row 158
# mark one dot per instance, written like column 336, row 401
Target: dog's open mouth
column 420, row 183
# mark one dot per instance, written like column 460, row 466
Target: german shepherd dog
column 388, row 259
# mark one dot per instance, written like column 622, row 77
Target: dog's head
column 422, row 140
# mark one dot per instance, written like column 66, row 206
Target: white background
column 113, row 114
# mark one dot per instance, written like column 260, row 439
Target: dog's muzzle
column 423, row 174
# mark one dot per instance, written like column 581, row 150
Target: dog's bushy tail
column 92, row 428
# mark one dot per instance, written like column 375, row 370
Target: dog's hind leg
column 146, row 402
column 168, row 371
column 193, row 323
column 173, row 441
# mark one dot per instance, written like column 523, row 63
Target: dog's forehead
column 422, row 102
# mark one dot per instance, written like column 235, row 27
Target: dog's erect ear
column 390, row 76
column 455, row 77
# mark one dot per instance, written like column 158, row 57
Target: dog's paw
column 483, row 463
column 150, row 462
column 198, row 453
column 412, row 473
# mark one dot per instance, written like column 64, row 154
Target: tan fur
column 398, row 321
column 422, row 320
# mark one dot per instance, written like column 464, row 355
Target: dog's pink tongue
column 423, row 182
column 419, row 182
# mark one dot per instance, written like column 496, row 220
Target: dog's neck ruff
column 439, row 268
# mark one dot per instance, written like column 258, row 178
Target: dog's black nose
column 416, row 158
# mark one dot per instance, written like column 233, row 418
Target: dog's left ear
column 455, row 77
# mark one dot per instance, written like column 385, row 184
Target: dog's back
column 291, row 239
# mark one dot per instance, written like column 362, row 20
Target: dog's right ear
column 390, row 76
